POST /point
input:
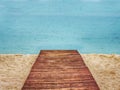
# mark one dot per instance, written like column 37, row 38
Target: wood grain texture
column 60, row 70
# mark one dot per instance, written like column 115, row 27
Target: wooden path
column 60, row 70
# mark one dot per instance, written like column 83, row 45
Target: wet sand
column 15, row 68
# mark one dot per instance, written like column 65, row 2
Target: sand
column 105, row 69
column 15, row 68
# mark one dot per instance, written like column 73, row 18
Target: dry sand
column 14, row 69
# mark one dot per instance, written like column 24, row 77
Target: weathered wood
column 60, row 70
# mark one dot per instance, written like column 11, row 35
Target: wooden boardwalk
column 60, row 70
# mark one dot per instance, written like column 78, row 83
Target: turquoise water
column 90, row 26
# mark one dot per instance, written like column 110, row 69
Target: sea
column 89, row 26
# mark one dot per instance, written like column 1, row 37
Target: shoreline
column 14, row 69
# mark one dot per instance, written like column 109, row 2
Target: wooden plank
column 60, row 70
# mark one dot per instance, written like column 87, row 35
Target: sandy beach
column 14, row 69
